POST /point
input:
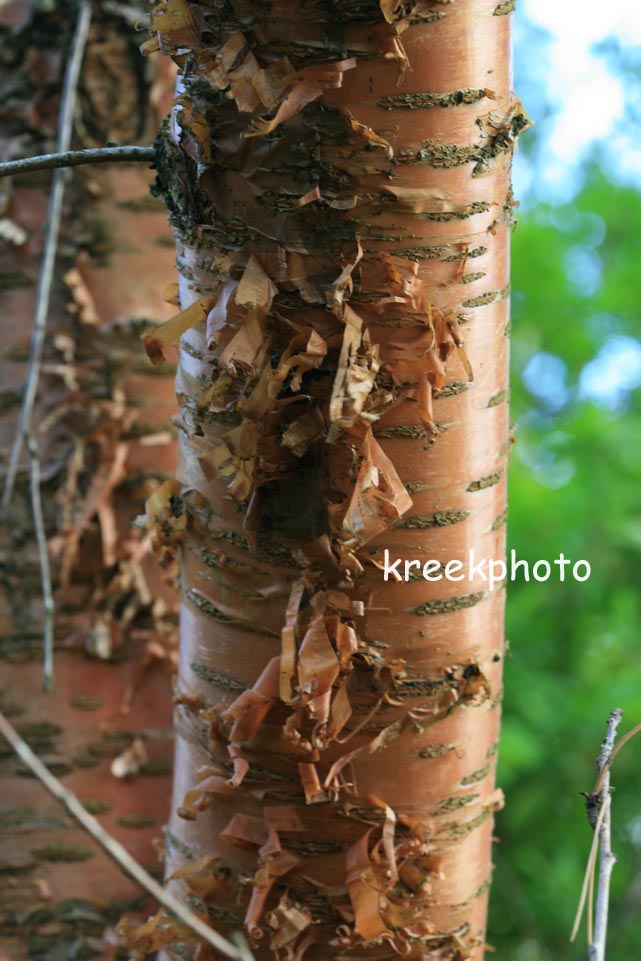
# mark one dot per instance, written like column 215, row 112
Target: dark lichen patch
column 490, row 480
column 491, row 297
column 171, row 841
column 11, row 708
column 509, row 6
column 419, row 101
column 11, row 279
column 136, row 821
column 462, row 829
column 439, row 519
column 416, row 487
column 310, row 848
column 435, row 750
column 218, row 680
column 217, row 561
column 418, row 687
column 466, row 254
column 156, row 870
column 156, row 768
column 221, row 915
column 18, row 354
column 206, row 607
column 471, row 277
column 430, row 16
column 22, row 819
column 86, row 702
column 476, row 776
column 372, row 815
column 63, row 852
column 226, row 419
column 440, row 155
column 456, row 803
column 18, row 865
column 96, row 806
column 39, row 735
column 407, row 431
column 498, row 398
column 56, row 765
column 449, row 604
column 422, row 253
column 469, row 210
column 451, row 390
column 500, row 521
column 85, row 760
column 480, row 891
column 194, row 352
column 103, row 749
column 9, row 400
column 143, row 204
column 258, row 774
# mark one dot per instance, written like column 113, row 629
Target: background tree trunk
column 338, row 178
column 105, row 443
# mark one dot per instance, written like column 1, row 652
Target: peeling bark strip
column 330, row 275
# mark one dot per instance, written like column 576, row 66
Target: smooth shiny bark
column 338, row 176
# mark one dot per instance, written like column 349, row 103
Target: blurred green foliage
column 575, row 650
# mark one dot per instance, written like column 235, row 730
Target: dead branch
column 607, row 859
column 45, row 569
column 598, row 806
column 75, row 158
column 65, row 128
column 588, row 878
column 115, row 850
column 23, row 431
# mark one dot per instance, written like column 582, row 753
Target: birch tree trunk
column 338, row 177
column 101, row 425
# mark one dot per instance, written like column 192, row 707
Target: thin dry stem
column 45, row 569
column 115, row 850
column 45, row 279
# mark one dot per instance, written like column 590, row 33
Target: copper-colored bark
column 59, row 891
column 338, row 177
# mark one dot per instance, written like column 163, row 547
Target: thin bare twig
column 45, row 569
column 607, row 859
column 65, row 128
column 237, row 952
column 74, row 158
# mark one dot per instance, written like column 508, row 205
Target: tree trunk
column 101, row 424
column 338, row 177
